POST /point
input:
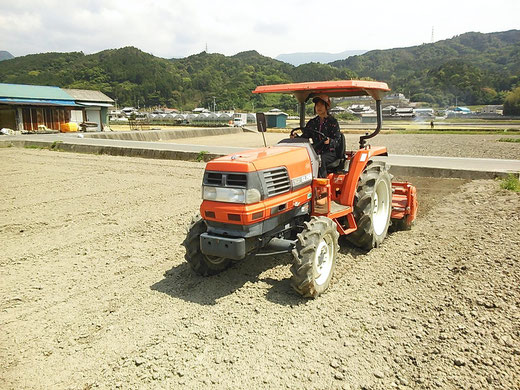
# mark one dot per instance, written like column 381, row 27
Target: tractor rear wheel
column 202, row 264
column 315, row 257
column 372, row 206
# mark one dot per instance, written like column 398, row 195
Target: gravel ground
column 95, row 293
column 449, row 145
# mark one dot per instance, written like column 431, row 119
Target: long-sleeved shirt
column 329, row 127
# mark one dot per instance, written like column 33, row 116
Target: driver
column 324, row 131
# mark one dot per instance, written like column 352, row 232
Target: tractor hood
column 295, row 158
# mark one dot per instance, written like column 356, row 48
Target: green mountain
column 472, row 68
column 137, row 78
column 127, row 74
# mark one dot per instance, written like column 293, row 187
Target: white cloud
column 183, row 27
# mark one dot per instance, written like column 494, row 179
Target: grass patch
column 510, row 183
column 201, row 155
column 33, row 147
column 482, row 120
column 464, row 132
column 509, row 140
column 54, row 146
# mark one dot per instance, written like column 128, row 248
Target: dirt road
column 95, row 293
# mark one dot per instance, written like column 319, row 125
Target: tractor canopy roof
column 303, row 91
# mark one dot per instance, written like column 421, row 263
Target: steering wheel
column 293, row 132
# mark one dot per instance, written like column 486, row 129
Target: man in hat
column 325, row 133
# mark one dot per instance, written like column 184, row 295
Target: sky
column 174, row 29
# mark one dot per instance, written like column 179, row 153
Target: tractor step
column 337, row 208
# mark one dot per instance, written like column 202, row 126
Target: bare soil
column 95, row 292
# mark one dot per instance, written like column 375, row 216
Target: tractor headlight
column 231, row 195
column 253, row 196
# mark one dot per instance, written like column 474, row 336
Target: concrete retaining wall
column 409, row 171
column 165, row 135
column 113, row 150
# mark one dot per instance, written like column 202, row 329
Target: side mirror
column 261, row 123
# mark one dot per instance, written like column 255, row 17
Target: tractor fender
column 357, row 165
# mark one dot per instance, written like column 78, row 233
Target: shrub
column 510, row 183
column 201, row 155
column 512, row 102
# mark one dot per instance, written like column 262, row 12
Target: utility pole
column 214, row 105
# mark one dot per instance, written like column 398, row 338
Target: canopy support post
column 379, row 115
column 302, row 114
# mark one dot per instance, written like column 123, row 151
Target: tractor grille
column 214, row 178
column 236, row 180
column 226, row 179
column 277, row 181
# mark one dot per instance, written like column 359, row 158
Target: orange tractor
column 270, row 200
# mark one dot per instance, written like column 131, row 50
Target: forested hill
column 137, row 78
column 472, row 68
column 475, row 68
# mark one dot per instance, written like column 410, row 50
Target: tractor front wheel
column 372, row 206
column 315, row 257
column 202, row 264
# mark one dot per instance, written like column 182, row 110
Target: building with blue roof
column 33, row 107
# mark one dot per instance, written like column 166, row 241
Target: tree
column 512, row 102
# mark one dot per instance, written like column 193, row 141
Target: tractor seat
column 339, row 163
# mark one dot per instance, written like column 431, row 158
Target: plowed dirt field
column 95, row 292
